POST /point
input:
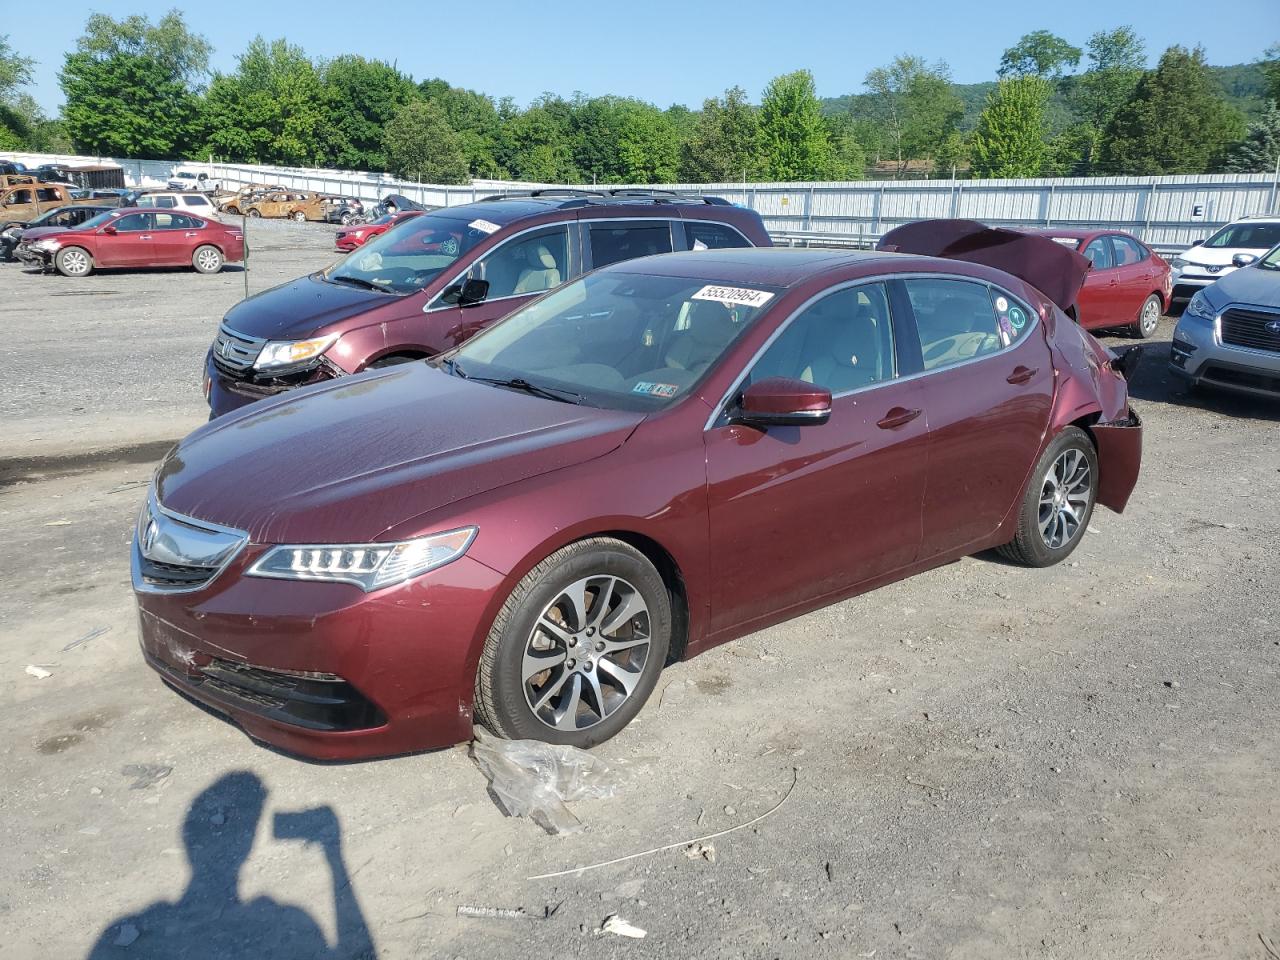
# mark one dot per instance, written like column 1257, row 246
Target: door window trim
column 720, row 410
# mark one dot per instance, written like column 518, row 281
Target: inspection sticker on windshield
column 655, row 389
column 734, row 296
column 484, row 226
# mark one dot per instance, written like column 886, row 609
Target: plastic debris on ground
column 40, row 673
column 529, row 778
column 616, row 925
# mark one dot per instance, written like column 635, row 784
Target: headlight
column 369, row 566
column 1200, row 309
column 359, row 233
column 288, row 353
column 43, row 246
column 1178, row 263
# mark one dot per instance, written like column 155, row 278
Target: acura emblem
column 1273, row 327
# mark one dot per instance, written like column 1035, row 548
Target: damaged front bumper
column 1119, row 445
column 225, row 393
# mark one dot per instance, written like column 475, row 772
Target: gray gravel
column 989, row 761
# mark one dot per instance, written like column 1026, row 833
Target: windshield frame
column 592, row 396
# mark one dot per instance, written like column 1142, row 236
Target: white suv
column 196, row 203
column 1235, row 245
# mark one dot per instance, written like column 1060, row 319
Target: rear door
column 988, row 390
column 801, row 513
column 1095, row 306
column 173, row 239
column 1135, row 276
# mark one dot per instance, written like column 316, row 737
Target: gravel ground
column 987, row 761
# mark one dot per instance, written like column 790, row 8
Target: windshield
column 1271, row 261
column 411, row 254
column 97, row 221
column 619, row 340
column 1256, row 236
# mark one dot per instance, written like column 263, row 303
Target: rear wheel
column 577, row 648
column 255, row 213
column 207, row 259
column 1148, row 318
column 74, row 262
column 1058, row 502
column 298, row 215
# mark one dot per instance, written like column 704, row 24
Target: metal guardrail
column 867, row 241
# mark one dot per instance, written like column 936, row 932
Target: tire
column 207, row 259
column 255, row 213
column 1045, row 532
column 234, row 211
column 392, row 361
column 298, row 216
column 560, row 703
column 348, row 219
column 74, row 262
column 1148, row 318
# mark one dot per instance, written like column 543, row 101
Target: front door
column 988, row 390
column 799, row 513
column 130, row 246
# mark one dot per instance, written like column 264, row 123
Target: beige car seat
column 543, row 272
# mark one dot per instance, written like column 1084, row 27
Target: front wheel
column 73, row 262
column 207, row 259
column 1058, row 502
column 298, row 215
column 1148, row 318
column 577, row 648
column 255, row 213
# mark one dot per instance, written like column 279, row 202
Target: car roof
column 504, row 209
column 774, row 266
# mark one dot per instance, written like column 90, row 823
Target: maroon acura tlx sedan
column 661, row 456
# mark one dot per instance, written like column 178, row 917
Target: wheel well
column 396, row 355
column 1086, row 423
column 666, row 565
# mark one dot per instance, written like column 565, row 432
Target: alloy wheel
column 75, row 263
column 1064, row 498
column 586, row 653
column 207, row 260
column 1150, row 318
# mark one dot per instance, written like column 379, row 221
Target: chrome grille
column 177, row 554
column 1254, row 329
column 234, row 353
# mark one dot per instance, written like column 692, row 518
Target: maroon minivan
column 431, row 283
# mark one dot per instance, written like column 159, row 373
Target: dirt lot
column 989, row 762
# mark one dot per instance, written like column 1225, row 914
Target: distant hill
column 1242, row 84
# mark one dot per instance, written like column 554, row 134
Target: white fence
column 1166, row 212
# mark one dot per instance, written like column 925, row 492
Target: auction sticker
column 484, row 226
column 1002, row 304
column 734, row 296
column 655, row 389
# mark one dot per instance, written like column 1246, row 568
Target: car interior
column 955, row 319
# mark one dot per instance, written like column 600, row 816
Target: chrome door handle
column 1022, row 374
column 145, row 236
column 897, row 417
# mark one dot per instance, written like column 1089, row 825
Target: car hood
column 345, row 461
column 38, row 233
column 301, row 308
column 1052, row 268
column 1218, row 256
column 1253, row 286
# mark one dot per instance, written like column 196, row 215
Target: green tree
column 1176, row 122
column 793, row 136
column 15, row 73
column 1270, row 64
column 848, row 158
column 420, row 145
column 273, row 109
column 1039, row 54
column 916, row 106
column 131, row 86
column 621, row 140
column 1117, row 61
column 1258, row 151
column 361, row 98
column 1010, row 138
column 534, row 144
column 475, row 121
column 725, row 143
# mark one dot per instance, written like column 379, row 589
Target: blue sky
column 662, row 51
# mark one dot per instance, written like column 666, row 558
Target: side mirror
column 1196, row 243
column 109, row 230
column 783, row 402
column 465, row 294
column 1242, row 259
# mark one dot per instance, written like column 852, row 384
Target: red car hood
column 1052, row 268
column 345, row 461
column 36, row 233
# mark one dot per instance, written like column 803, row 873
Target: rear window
column 959, row 320
column 196, row 201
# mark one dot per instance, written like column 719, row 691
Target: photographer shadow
column 210, row 920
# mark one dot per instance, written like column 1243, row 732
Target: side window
column 614, row 242
column 1099, row 254
column 529, row 264
column 134, row 222
column 1013, row 318
column 166, row 203
column 1127, row 251
column 146, row 202
column 47, row 195
column 702, row 235
column 173, row 221
column 956, row 320
column 842, row 342
column 18, row 196
column 196, row 201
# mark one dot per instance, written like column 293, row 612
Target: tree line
column 138, row 89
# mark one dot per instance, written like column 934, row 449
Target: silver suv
column 1229, row 334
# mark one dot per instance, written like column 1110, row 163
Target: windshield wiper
column 520, row 383
column 360, row 282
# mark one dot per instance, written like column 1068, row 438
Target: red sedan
column 1128, row 286
column 130, row 237
column 659, row 457
column 348, row 238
